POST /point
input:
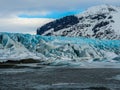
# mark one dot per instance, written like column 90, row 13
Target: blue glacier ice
column 15, row 46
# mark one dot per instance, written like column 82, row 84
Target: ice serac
column 51, row 49
column 96, row 22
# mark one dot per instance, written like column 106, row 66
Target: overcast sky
column 24, row 16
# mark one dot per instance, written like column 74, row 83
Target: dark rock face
column 99, row 25
column 58, row 24
column 1, row 37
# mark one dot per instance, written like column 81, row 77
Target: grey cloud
column 15, row 6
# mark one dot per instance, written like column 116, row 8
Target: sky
column 25, row 16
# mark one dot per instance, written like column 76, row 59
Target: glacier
column 57, row 49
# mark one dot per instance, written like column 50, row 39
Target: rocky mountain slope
column 97, row 22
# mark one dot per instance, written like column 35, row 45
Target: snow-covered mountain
column 52, row 49
column 98, row 22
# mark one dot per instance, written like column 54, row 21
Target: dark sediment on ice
column 13, row 63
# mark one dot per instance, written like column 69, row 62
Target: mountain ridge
column 96, row 22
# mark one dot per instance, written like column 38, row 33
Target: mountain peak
column 105, row 8
column 100, row 9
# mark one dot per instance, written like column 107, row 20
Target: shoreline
column 37, row 63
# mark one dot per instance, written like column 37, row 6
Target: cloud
column 9, row 7
column 22, row 25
